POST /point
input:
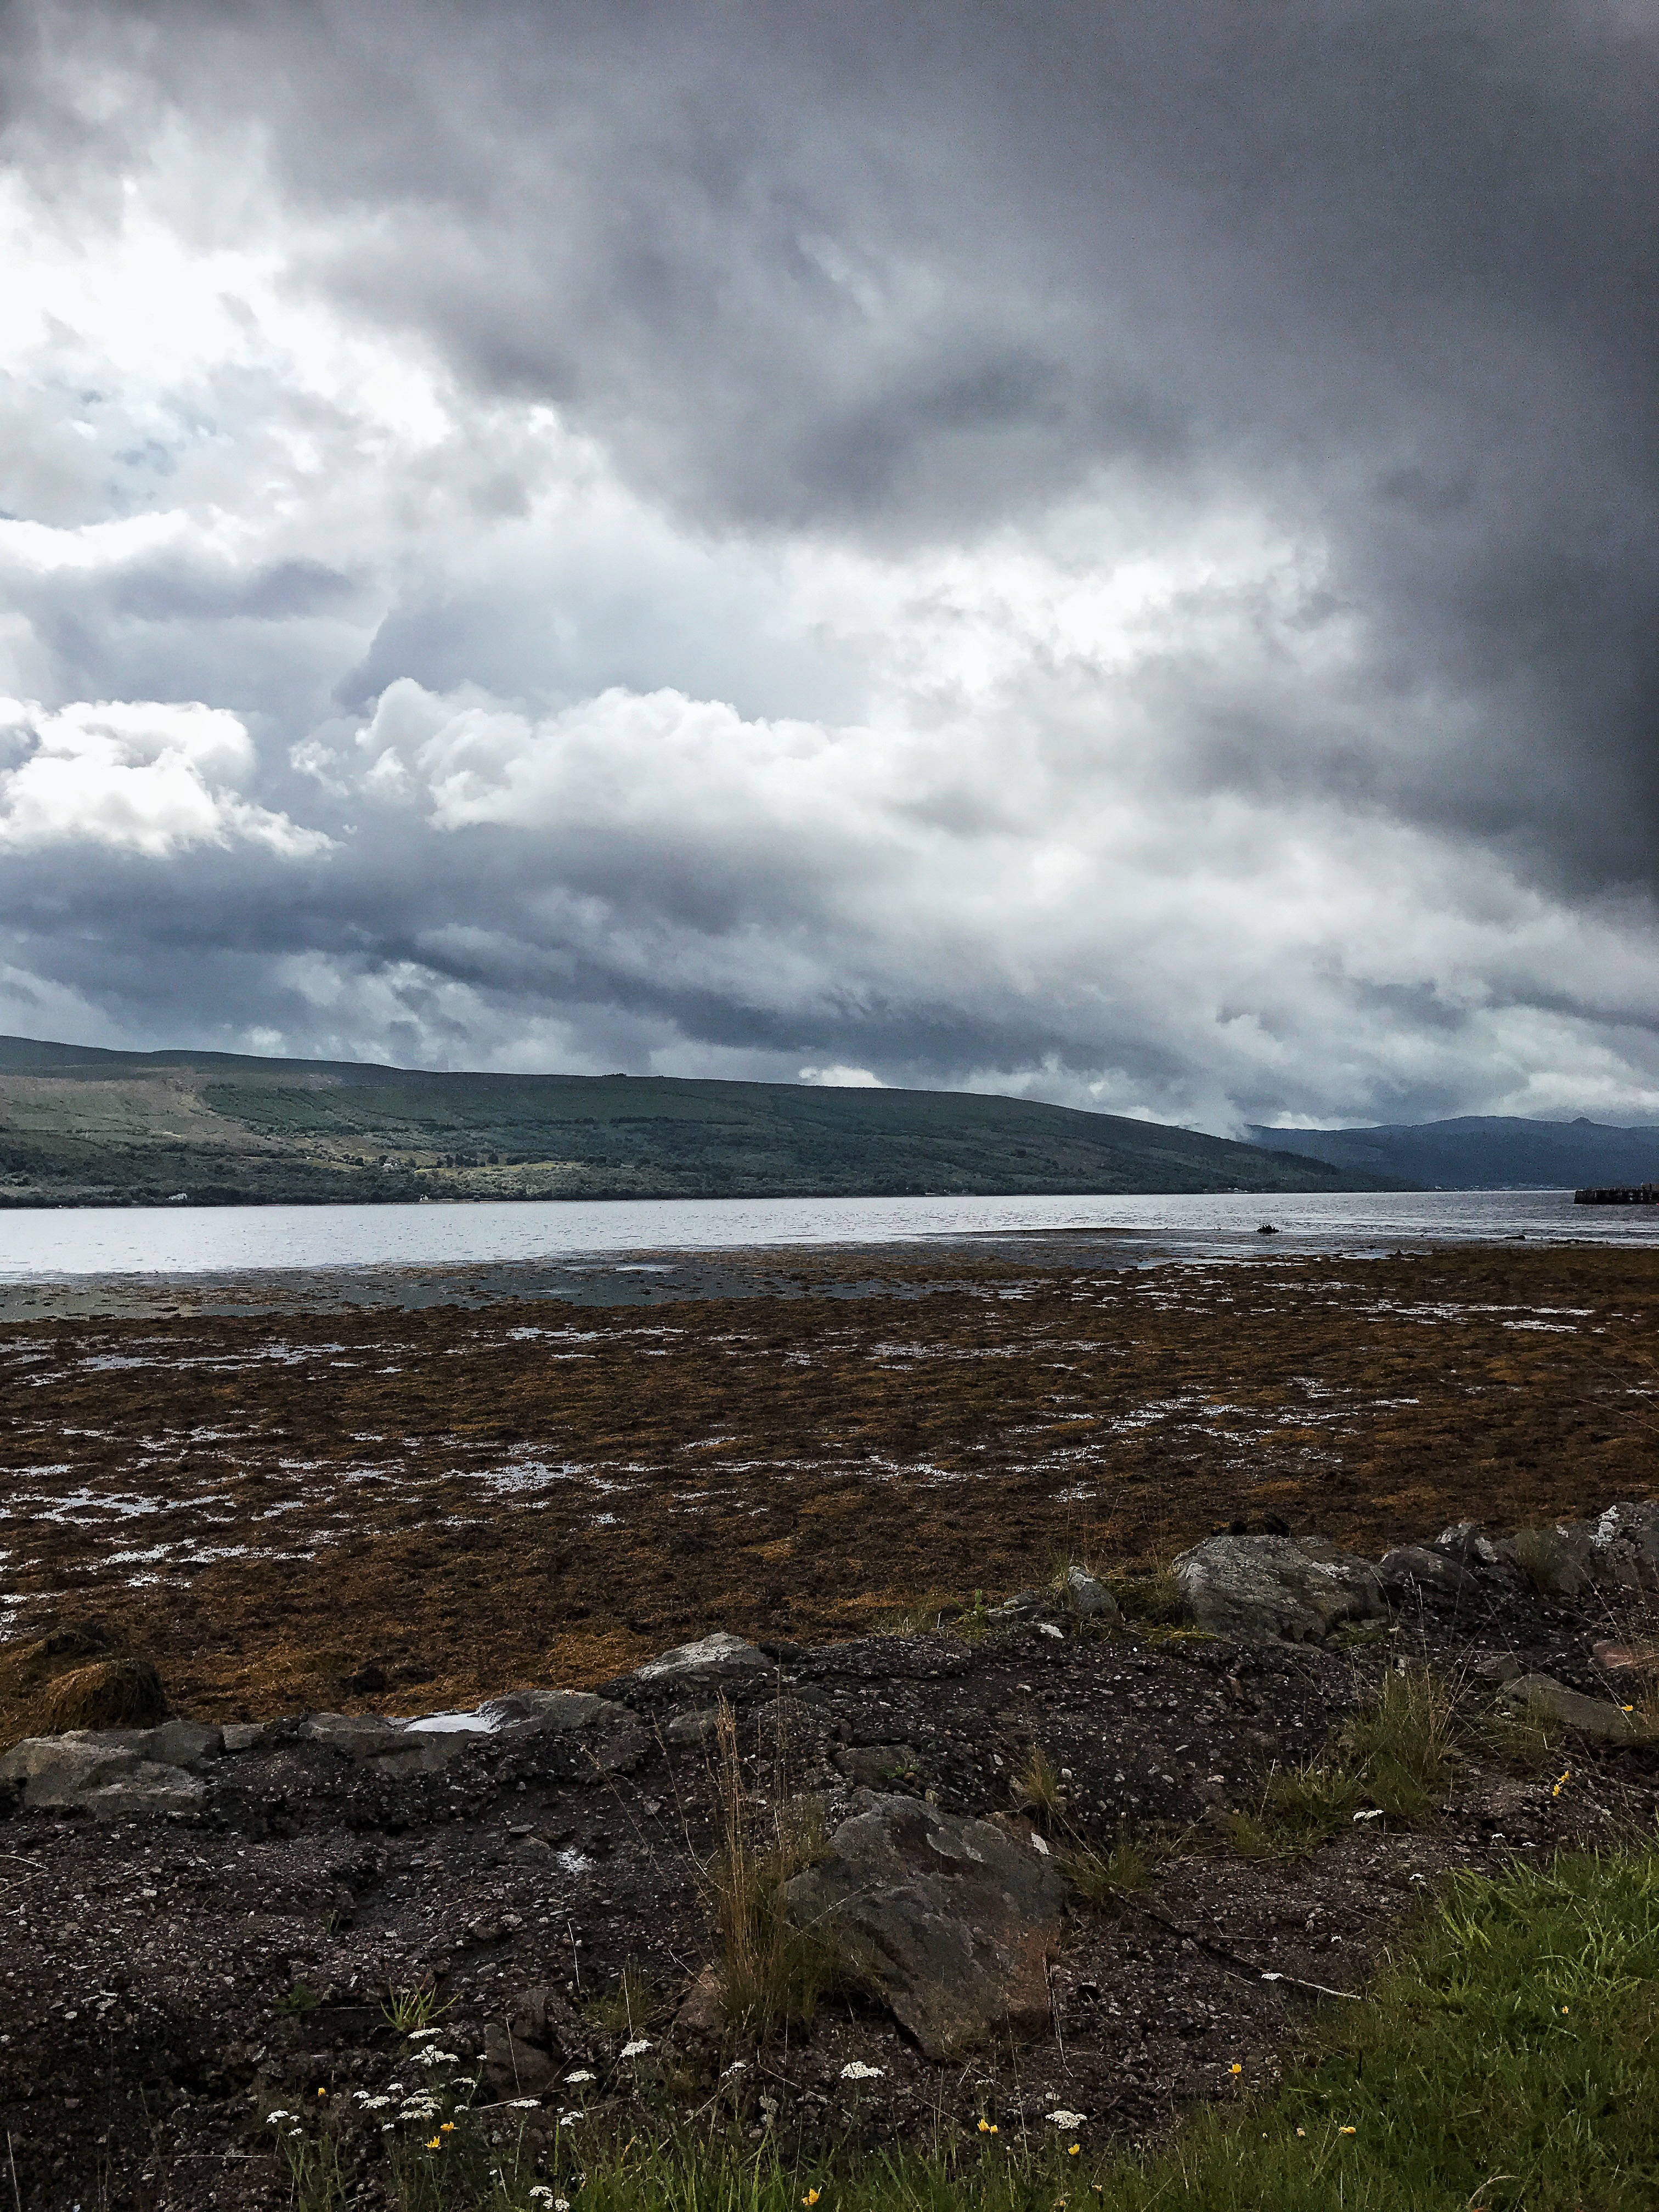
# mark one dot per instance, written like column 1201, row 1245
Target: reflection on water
column 182, row 1241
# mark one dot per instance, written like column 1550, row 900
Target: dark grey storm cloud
column 1340, row 317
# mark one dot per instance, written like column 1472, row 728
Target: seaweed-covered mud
column 432, row 1504
column 1058, row 1861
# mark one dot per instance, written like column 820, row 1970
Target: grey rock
column 543, row 1712
column 1282, row 1589
column 872, row 1765
column 100, row 1772
column 1478, row 1554
column 715, row 1661
column 1409, row 1565
column 1500, row 1667
column 359, row 1735
column 389, row 1747
column 1625, row 1541
column 147, row 1789
column 245, row 1736
column 693, row 1728
column 513, row 2067
column 947, row 1920
column 175, row 1742
column 1599, row 1718
column 419, row 1751
column 1088, row 1596
column 521, row 2051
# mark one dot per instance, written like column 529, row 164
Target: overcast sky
column 1101, row 551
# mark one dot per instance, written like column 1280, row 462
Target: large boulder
column 112, row 1772
column 1598, row 1718
column 949, row 1921
column 1277, row 1589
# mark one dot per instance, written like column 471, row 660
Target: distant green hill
column 81, row 1126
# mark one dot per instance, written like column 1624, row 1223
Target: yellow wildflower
column 1235, row 2068
column 447, row 2129
column 987, row 2127
column 1347, row 2131
column 436, row 2143
column 811, row 2197
column 1073, row 2150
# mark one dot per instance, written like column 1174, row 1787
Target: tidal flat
column 398, row 1492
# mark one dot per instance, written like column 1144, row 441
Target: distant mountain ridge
column 85, row 1126
column 1483, row 1151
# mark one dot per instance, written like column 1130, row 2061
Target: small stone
column 702, row 2016
column 1598, row 1718
column 711, row 1658
column 1088, row 1596
column 878, row 1765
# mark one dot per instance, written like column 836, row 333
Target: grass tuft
column 1400, row 1745
column 1102, row 1880
column 634, row 1999
column 1522, row 1737
column 1154, row 1598
column 770, row 1972
column 1039, row 1790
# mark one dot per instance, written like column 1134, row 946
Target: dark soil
column 164, row 1983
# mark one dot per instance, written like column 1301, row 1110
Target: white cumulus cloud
column 147, row 776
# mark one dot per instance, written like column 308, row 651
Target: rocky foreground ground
column 1034, row 1863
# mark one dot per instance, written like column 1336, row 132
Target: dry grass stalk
column 770, row 1972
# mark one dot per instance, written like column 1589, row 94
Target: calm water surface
column 183, row 1241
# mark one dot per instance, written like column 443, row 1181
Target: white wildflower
column 432, row 2056
column 581, row 2073
column 1068, row 2119
column 569, row 2119
column 856, row 2070
column 271, row 2119
column 1047, row 1628
column 522, row 2103
column 633, row 2050
column 423, row 2034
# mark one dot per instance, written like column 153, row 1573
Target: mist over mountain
column 1490, row 1151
